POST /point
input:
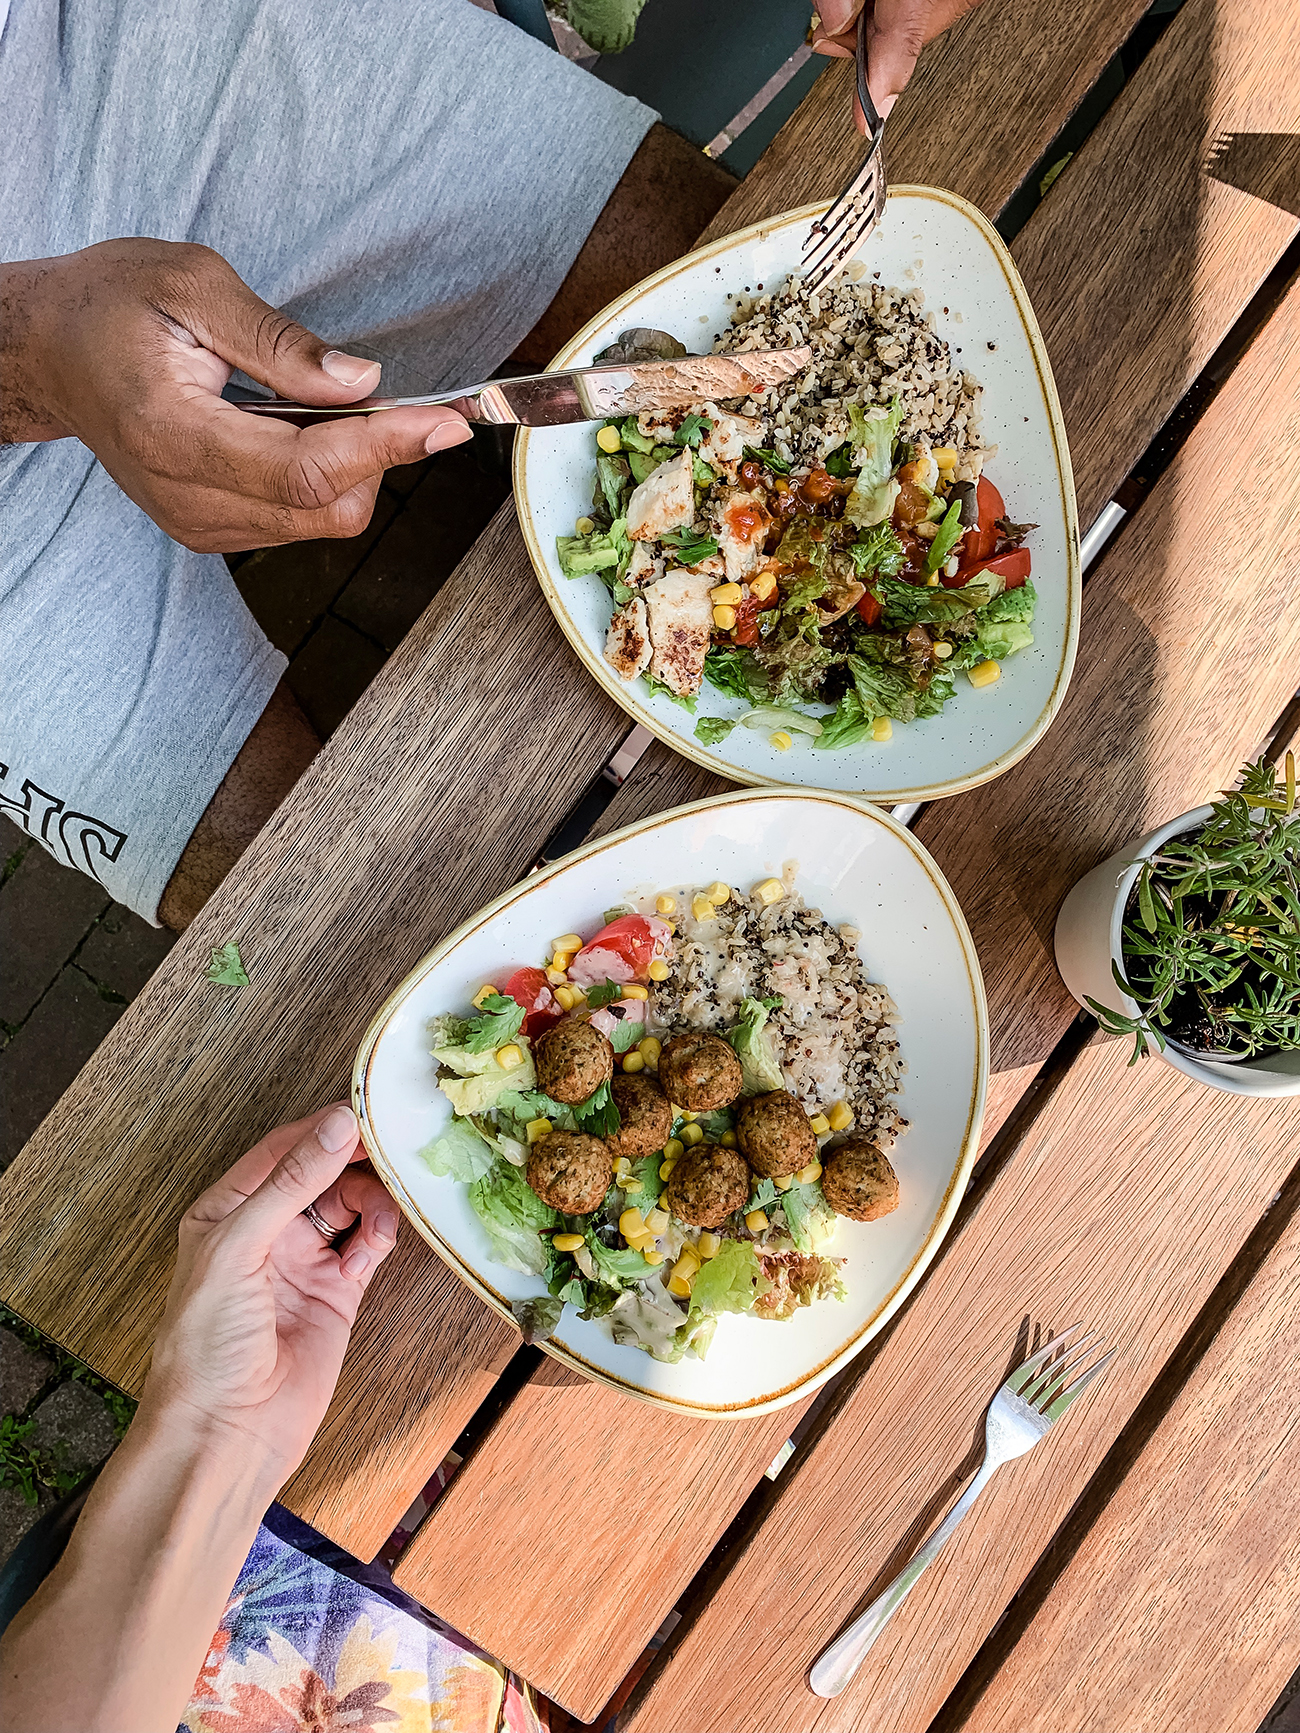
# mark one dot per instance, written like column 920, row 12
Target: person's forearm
column 24, row 414
column 114, row 1638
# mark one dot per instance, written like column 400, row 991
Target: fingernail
column 337, row 1130
column 348, row 369
column 448, row 433
column 386, row 1224
column 357, row 1262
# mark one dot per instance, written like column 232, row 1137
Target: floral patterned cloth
column 312, row 1642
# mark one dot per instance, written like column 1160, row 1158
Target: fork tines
column 834, row 238
column 1040, row 1381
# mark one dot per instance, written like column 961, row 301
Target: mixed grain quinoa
column 834, row 1029
column 870, row 345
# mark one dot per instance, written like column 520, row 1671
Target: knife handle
column 307, row 414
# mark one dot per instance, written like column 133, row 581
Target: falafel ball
column 572, row 1060
column 700, row 1072
column 645, row 1118
column 570, row 1171
column 774, row 1133
column 858, row 1180
column 707, row 1184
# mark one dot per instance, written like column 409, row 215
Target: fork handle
column 837, row 1664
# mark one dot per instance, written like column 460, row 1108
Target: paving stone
column 331, row 671
column 74, row 1426
column 289, row 588
column 45, row 910
column 444, row 517
column 17, row 1516
column 122, row 950
column 47, row 1053
column 21, row 1373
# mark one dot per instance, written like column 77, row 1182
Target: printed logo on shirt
column 74, row 838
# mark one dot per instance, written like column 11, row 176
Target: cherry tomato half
column 978, row 544
column 745, row 630
column 1012, row 567
column 870, row 609
column 529, row 988
column 622, row 951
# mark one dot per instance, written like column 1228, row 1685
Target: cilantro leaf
column 769, row 459
column 226, row 966
column 604, row 993
column 627, row 1033
column 692, row 430
column 598, row 1115
column 500, row 1020
column 840, row 462
column 690, row 547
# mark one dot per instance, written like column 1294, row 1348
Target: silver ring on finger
column 326, row 1229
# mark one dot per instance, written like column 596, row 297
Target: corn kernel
column 642, row 1243
column 671, row 925
column 666, row 1167
column 944, row 455
column 942, row 650
column 985, row 673
column 708, row 1245
column 583, row 527
column 677, row 1286
column 631, row 1223
column 692, row 1134
column 556, row 977
column 770, row 891
column 579, row 996
column 622, row 1165
column 806, row 1175
column 784, row 1181
column 567, row 1242
column 659, row 970
column 509, row 1056
column 728, row 1140
column 633, row 1061
column 560, row 961
column 840, row 1116
column 933, row 581
column 634, row 990
column 688, row 1262
column 726, row 595
column 567, row 942
column 763, row 586
column 608, row 439
column 718, row 892
column 684, row 1113
column 756, row 1221
column 702, row 908
column 666, row 905
column 781, row 740
column 537, row 1128
column 820, row 1124
column 724, row 619
column 566, row 998
column 653, row 1256
column 485, row 992
column 657, row 1220
column 649, row 1049
column 673, row 1148
column 882, row 729
column 632, row 1186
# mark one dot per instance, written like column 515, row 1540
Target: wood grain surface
column 392, row 838
column 1179, row 1608
column 1123, row 1207
column 985, row 102
column 1173, row 255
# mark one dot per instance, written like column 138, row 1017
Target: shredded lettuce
column 879, row 550
column 685, row 699
column 758, row 1064
column 480, row 1080
column 619, row 1269
column 514, row 1218
column 711, row 730
column 614, row 478
column 730, row 1281
column 849, row 726
column 458, row 1152
column 874, row 492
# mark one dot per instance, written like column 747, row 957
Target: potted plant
column 1189, row 941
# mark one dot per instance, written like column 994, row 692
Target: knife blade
column 582, row 394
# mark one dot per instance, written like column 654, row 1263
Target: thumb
column 226, row 317
column 297, row 1179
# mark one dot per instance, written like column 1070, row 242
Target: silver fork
column 833, row 239
column 1024, row 1410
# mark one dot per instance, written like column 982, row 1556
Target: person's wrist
column 26, row 413
column 170, row 1423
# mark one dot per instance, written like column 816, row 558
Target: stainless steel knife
column 585, row 394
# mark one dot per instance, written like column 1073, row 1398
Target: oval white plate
column 856, row 865
column 943, row 244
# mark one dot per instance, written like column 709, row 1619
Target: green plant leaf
column 227, row 966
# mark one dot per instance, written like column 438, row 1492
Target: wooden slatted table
column 1127, row 1196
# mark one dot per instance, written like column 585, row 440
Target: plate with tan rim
column 928, row 239
column 856, row 865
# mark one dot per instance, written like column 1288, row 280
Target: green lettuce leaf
column 458, row 1152
column 734, row 671
column 883, row 689
column 809, row 1217
column 226, row 967
column 514, row 1218
column 879, row 550
column 711, row 730
column 874, row 492
column 930, row 604
column 620, row 1269
column 849, row 726
column 758, row 1064
column 538, row 1316
column 729, row 1282
column 608, row 26
column 950, row 533
column 685, row 699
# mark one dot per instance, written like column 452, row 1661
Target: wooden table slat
column 1123, row 1208
column 1179, row 1608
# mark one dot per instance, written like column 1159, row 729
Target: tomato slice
column 978, row 544
column 1013, row 568
column 745, row 630
column 622, row 951
column 530, row 988
column 870, row 609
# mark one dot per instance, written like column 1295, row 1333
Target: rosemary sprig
column 1219, row 924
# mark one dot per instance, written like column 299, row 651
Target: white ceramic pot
column 1088, row 937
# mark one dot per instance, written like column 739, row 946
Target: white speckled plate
column 857, row 866
column 938, row 241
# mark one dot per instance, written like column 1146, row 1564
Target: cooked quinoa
column 834, row 1029
column 870, row 345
